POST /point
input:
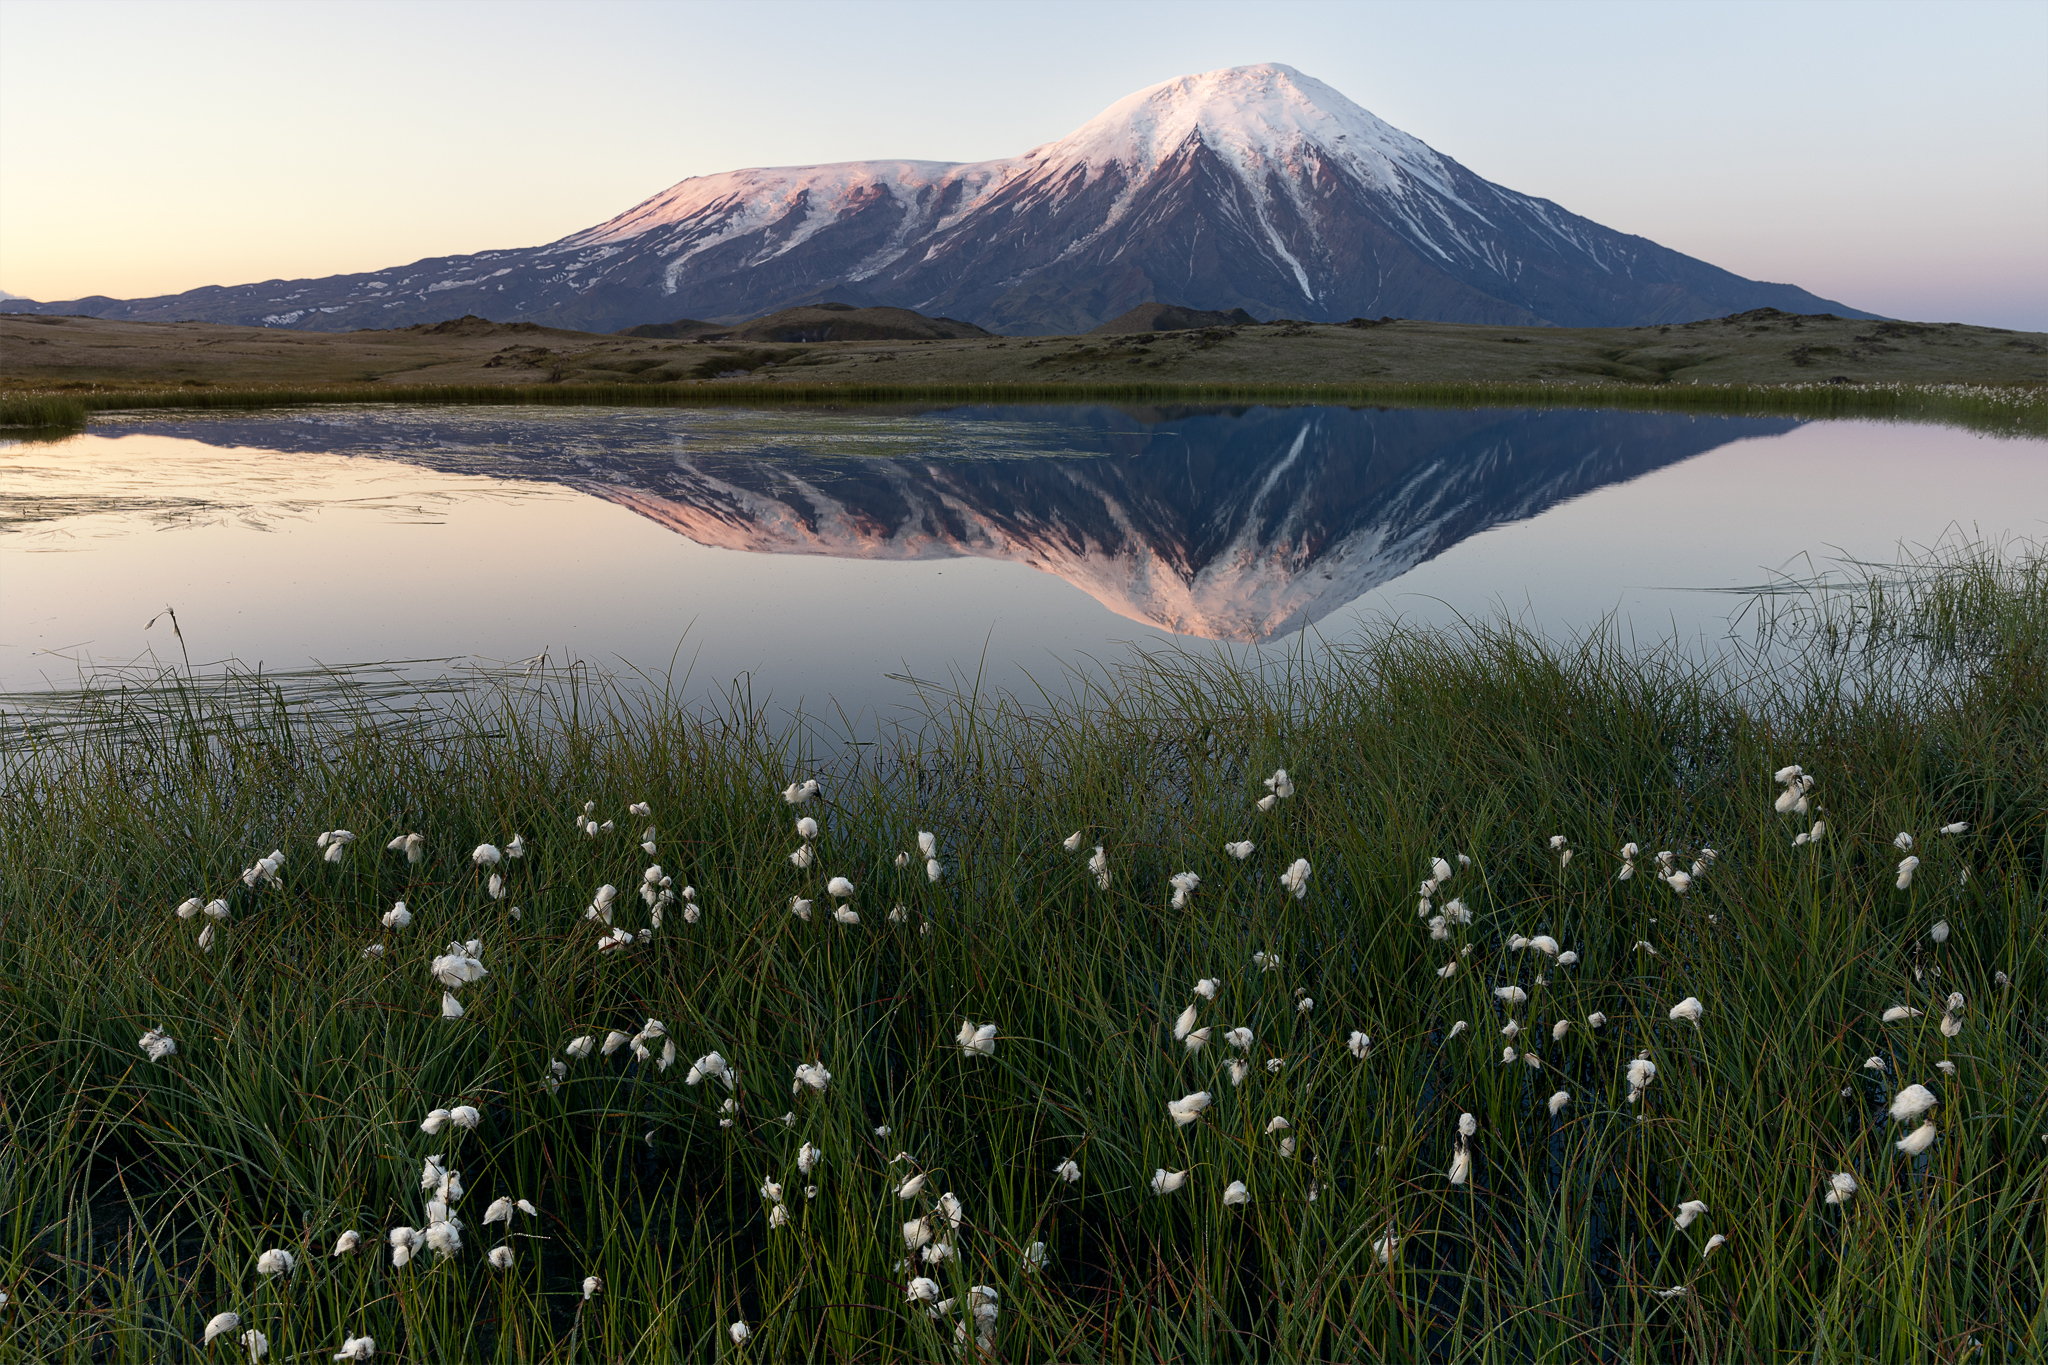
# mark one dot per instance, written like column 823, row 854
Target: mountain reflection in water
column 1238, row 524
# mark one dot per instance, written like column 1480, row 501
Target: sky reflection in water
column 818, row 553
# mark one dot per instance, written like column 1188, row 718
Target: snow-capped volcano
column 1255, row 187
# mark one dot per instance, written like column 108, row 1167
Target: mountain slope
column 1254, row 187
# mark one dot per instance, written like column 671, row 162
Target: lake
column 820, row 556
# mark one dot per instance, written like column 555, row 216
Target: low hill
column 819, row 322
column 1170, row 317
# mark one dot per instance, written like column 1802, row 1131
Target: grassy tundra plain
column 57, row 371
column 1695, row 1099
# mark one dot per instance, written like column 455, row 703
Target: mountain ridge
column 1254, row 187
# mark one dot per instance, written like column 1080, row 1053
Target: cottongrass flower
column 842, row 915
column 1238, row 1071
column 1236, row 1193
column 276, row 1261
column 1186, row 1023
column 1511, row 996
column 1841, row 1185
column 500, row 1211
column 1387, row 1247
column 1641, row 1072
column 1907, row 866
column 458, row 967
column 1688, row 1011
column 1959, row 827
column 451, row 1008
column 806, row 829
column 501, row 1258
column 1198, row 1040
column 1917, row 1141
column 1240, row 850
column 485, row 855
column 1874, row 1064
column 976, row 1041
column 1304, row 1005
column 257, row 1345
column 1911, row 1102
column 157, row 1044
column 1072, row 843
column 839, row 887
column 1468, row 1126
column 402, row 1241
column 397, row 917
column 434, row 1122
column 923, row 1290
column 1717, row 1240
column 1098, row 864
column 1266, row 962
column 356, row 1348
column 796, row 793
column 1359, row 1044
column 1206, row 987
column 800, row 907
column 218, row 1324
column 808, row 1156
column 1689, row 1212
column 1188, row 1108
column 592, row 1286
column 933, row 871
column 1899, row 1013
column 1675, row 1292
column 1902, row 841
column 812, row 1074
column 1951, row 1027
column 1239, row 1038
column 1681, row 882
column 1461, row 1167
column 1939, row 933
column 1596, row 1020
column 1945, row 1067
column 1165, row 1182
column 1184, row 885
column 1558, row 1101
column 739, row 1332
column 1456, row 1028
column 801, row 859
column 1068, row 1170
column 444, row 1236
column 1510, row 1029
column 1448, row 970
column 1034, row 1258
column 778, row 1217
column 1559, row 1029
column 1295, row 878
column 346, row 1244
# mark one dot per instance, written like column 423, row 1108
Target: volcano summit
column 1255, row 187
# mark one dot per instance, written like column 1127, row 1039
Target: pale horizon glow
column 1890, row 156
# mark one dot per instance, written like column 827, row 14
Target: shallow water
column 813, row 555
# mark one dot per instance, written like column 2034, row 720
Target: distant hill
column 1169, row 317
column 819, row 322
column 1256, row 188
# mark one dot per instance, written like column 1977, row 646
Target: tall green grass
column 138, row 1195
column 2000, row 409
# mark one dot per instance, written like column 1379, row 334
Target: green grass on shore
column 138, row 1194
column 2001, row 409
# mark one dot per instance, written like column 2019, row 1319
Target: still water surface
column 816, row 554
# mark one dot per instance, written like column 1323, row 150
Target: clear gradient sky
column 1893, row 156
